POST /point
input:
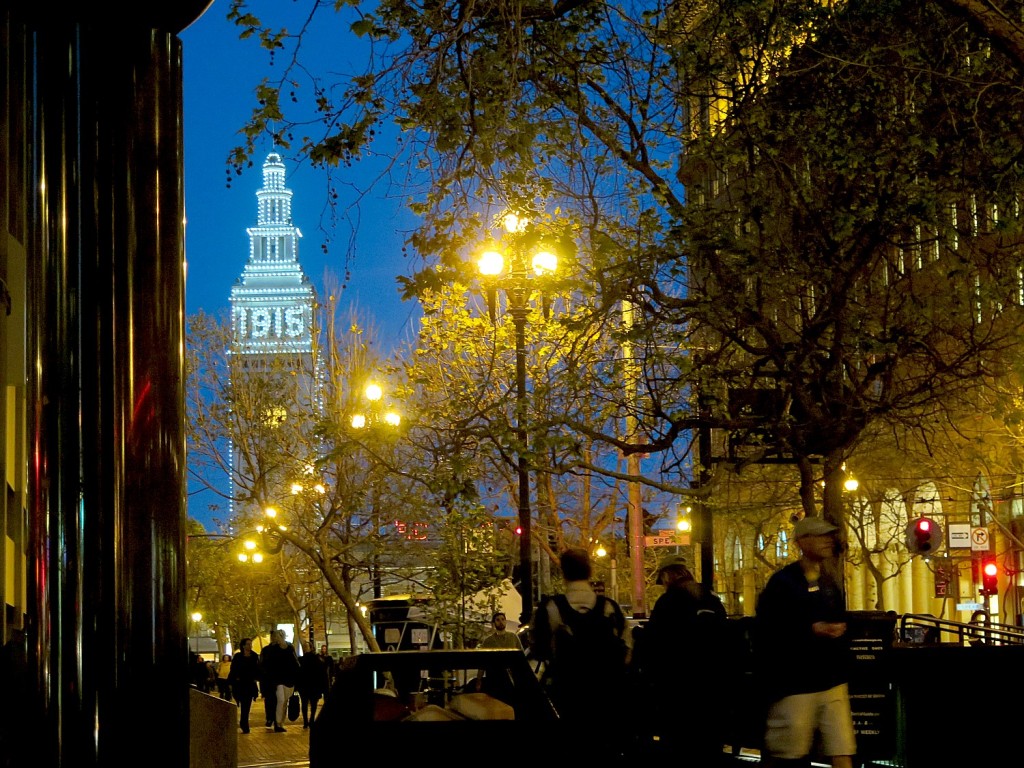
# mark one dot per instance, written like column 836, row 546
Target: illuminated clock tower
column 272, row 302
column 272, row 306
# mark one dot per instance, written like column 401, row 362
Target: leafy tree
column 819, row 197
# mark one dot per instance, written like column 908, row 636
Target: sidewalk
column 266, row 749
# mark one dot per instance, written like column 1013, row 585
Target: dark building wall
column 92, row 237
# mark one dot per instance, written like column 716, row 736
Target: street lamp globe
column 544, row 261
column 491, row 262
column 373, row 392
column 512, row 222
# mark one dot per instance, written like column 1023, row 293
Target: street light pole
column 492, row 265
column 373, row 393
column 519, row 311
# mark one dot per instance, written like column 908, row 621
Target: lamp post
column 492, row 265
column 374, row 416
column 196, row 618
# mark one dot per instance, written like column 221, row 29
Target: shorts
column 793, row 721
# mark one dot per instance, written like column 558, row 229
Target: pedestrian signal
column 989, row 577
column 924, row 536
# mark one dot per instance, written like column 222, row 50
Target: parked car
column 413, row 705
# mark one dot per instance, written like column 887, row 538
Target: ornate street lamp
column 508, row 265
column 376, row 415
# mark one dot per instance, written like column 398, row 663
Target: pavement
column 263, row 748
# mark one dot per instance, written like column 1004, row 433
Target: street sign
column 979, row 540
column 959, row 535
column 669, row 539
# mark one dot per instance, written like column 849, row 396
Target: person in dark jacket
column 245, row 671
column 679, row 659
column 279, row 671
column 803, row 654
column 312, row 682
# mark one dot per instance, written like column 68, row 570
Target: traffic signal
column 924, row 536
column 518, row 530
column 989, row 577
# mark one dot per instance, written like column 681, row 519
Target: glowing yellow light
column 296, row 488
column 544, row 262
column 373, row 392
column 512, row 222
column 270, row 512
column 851, row 484
column 600, row 551
column 319, row 488
column 257, row 557
column 392, row 419
column 242, row 557
column 491, row 262
column 197, row 616
column 358, row 421
column 683, row 525
column 249, row 544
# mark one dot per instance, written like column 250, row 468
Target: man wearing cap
column 679, row 663
column 803, row 654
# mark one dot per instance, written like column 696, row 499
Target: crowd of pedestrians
column 275, row 674
column 670, row 684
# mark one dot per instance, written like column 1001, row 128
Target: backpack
column 585, row 655
column 589, row 641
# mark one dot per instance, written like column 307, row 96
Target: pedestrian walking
column 679, row 662
column 803, row 654
column 279, row 672
column 223, row 671
column 330, row 666
column 267, row 689
column 582, row 639
column 243, row 674
column 312, row 682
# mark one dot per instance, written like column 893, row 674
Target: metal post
column 518, row 311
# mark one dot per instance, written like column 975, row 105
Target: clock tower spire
column 272, row 302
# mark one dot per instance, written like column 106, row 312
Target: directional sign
column 979, row 540
column 669, row 539
column 959, row 535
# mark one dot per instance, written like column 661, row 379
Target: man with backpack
column 582, row 638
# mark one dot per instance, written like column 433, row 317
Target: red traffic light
column 518, row 530
column 924, row 536
column 989, row 578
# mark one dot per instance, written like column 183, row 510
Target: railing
column 925, row 629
